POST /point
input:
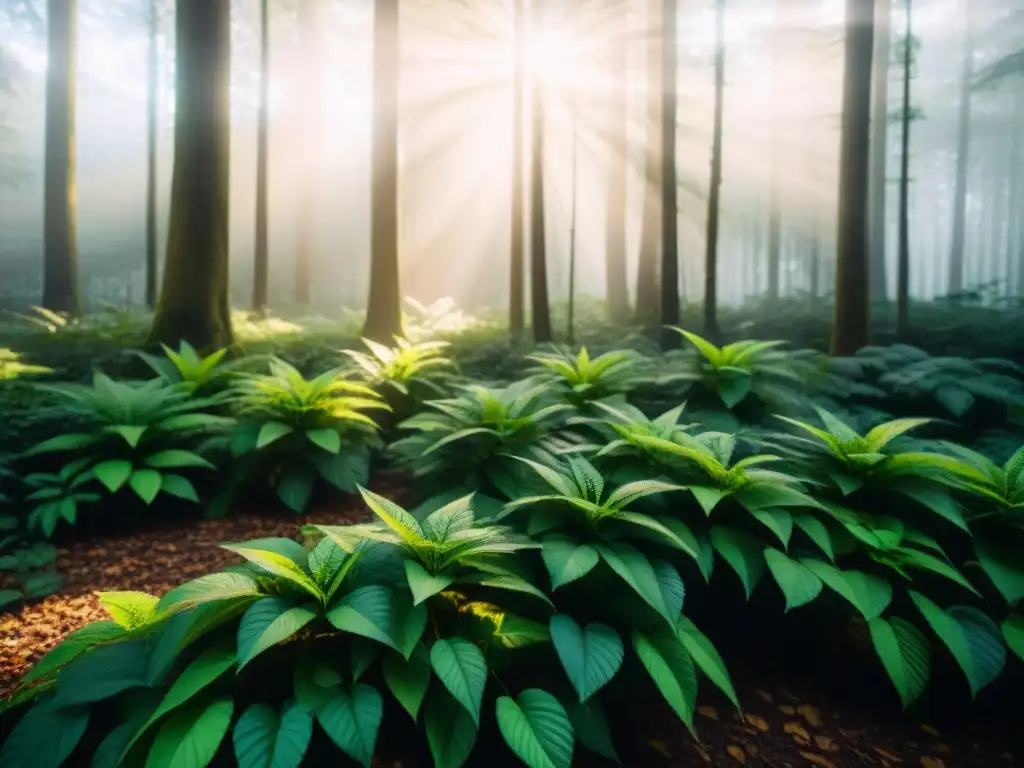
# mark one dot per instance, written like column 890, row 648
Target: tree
column 775, row 195
column 310, row 15
column 60, row 256
column 193, row 304
column 880, row 149
column 152, row 114
column 616, row 209
column 261, row 262
column 539, row 304
column 516, row 319
column 711, row 330
column 903, row 263
column 669, row 181
column 956, row 254
column 384, row 309
column 648, row 312
column 852, row 327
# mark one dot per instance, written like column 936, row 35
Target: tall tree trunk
column 384, row 309
column 261, row 262
column 774, row 262
column 311, row 90
column 879, row 150
column 60, row 255
column 903, row 267
column 956, row 254
column 669, row 181
column 539, row 304
column 616, row 213
column 648, row 312
column 814, row 273
column 711, row 330
column 194, row 302
column 152, row 115
column 852, row 329
column 516, row 309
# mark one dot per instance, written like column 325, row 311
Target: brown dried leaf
column 932, row 762
column 888, row 755
column 786, row 709
column 765, row 695
column 709, row 712
column 758, row 722
column 810, row 714
column 737, row 754
column 821, row 760
column 798, row 732
column 826, row 743
column 703, row 754
column 930, row 731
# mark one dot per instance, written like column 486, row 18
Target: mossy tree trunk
column 539, row 303
column 711, row 330
column 152, row 114
column 517, row 268
column 194, row 300
column 852, row 327
column 618, row 168
column 384, row 308
column 261, row 261
column 60, row 256
column 669, row 181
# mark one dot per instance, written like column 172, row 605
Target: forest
column 511, row 382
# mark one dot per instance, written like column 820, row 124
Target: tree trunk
column 516, row 309
column 711, row 330
column 539, row 305
column 648, row 313
column 384, row 308
column 814, row 273
column 152, row 115
column 774, row 264
column 880, row 150
column 616, row 213
column 261, row 262
column 669, row 182
column 311, row 89
column 852, row 328
column 194, row 303
column 903, row 268
column 956, row 254
column 60, row 256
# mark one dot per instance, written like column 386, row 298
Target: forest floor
column 785, row 725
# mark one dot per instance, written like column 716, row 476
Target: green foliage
column 188, row 368
column 582, row 379
column 12, row 367
column 405, row 368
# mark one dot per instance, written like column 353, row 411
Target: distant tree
column 906, row 118
column 539, row 303
column 669, row 272
column 517, row 271
column 956, row 254
column 310, row 87
column 618, row 166
column 384, row 308
column 60, row 256
column 648, row 311
column 774, row 263
column 880, row 149
column 852, row 328
column 193, row 304
column 152, row 115
column 261, row 261
column 711, row 329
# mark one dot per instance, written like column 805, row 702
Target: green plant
column 11, row 366
column 293, row 430
column 187, row 367
column 23, row 564
column 139, row 436
column 404, row 367
column 583, row 379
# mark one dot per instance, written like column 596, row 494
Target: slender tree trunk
column 60, row 253
column 1015, row 233
column 711, row 330
column 852, row 329
column 194, row 302
column 261, row 265
column 880, row 150
column 516, row 309
column 814, row 273
column 669, row 181
column 616, row 213
column 539, row 304
column 152, row 115
column 384, row 309
column 956, row 255
column 903, row 271
column 774, row 262
column 648, row 313
column 311, row 89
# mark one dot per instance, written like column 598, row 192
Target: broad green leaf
column 673, row 591
column 592, row 728
column 743, row 553
column 73, row 646
column 507, row 582
column 706, row 657
column 44, row 737
column 113, row 474
column 352, row 717
column 778, row 521
column 1001, row 562
column 278, row 565
column 326, row 438
column 817, row 532
column 347, row 470
column 263, row 739
column 296, row 488
column 707, row 496
column 984, row 638
column 268, row 622
column 363, row 653
column 181, row 487
column 129, row 610
column 905, row 655
column 636, row 570
column 214, row 586
column 129, row 432
column 396, row 518
column 451, row 731
column 671, row 668
column 536, row 728
column 367, row 611
column 177, row 459
column 591, row 655
column 102, row 672
column 271, row 431
column 514, row 631
column 191, row 736
column 462, row 669
column 410, row 622
column 797, row 582
column 866, row 592
column 1013, row 632
column 567, row 560
column 407, row 680
column 146, row 483
column 423, row 584
column 929, row 562
column 68, row 442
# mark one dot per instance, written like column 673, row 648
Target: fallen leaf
column 703, row 754
column 764, row 695
column 932, row 762
column 737, row 754
column 824, row 762
column 758, row 722
column 810, row 714
column 826, row 743
column 709, row 712
column 930, row 731
column 786, row 709
column 798, row 732
column 659, row 747
column 752, row 749
column 848, row 733
column 888, row 755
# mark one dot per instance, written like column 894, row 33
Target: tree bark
column 616, row 213
column 311, row 89
column 384, row 308
column 774, row 261
column 956, row 254
column 60, row 253
column 669, row 182
column 539, row 304
column 852, row 328
column 648, row 312
column 152, row 114
column 516, row 309
column 261, row 261
column 194, row 302
column 711, row 330
column 880, row 150
column 903, row 265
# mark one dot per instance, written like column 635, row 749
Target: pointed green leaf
column 177, row 459
column 407, row 680
column 113, row 474
column 1013, row 632
column 797, row 582
column 146, row 483
column 671, row 668
column 536, row 728
column 566, row 559
column 591, row 655
column 451, row 731
column 271, row 431
column 268, row 622
column 905, row 655
column 278, row 565
column 423, row 584
column 462, row 669
column 262, row 739
column 592, row 728
column 181, row 487
column 742, row 552
column 866, row 592
column 708, row 497
column 367, row 611
column 44, row 737
column 636, row 570
column 129, row 610
column 706, row 657
column 191, row 736
column 352, row 717
column 326, row 438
